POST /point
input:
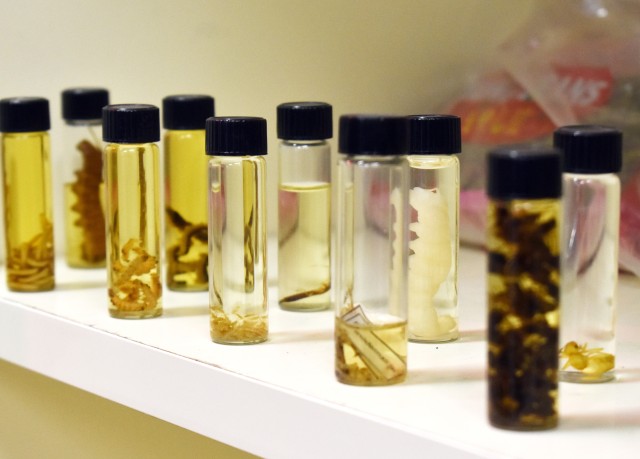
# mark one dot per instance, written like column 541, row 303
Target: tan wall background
column 400, row 56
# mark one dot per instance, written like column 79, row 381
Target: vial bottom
column 446, row 338
column 135, row 291
column 30, row 265
column 309, row 307
column 148, row 314
column 370, row 354
column 525, row 425
column 585, row 363
column 238, row 329
column 579, row 377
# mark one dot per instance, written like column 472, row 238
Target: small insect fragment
column 593, row 361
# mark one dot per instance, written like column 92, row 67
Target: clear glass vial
column 371, row 251
column 237, row 230
column 26, row 171
column 523, row 241
column 185, row 171
column 304, row 205
column 592, row 155
column 82, row 176
column 132, row 200
column 434, row 206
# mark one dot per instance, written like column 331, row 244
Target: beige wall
column 399, row 56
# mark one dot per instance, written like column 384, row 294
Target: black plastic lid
column 373, row 135
column 434, row 135
column 590, row 149
column 236, row 136
column 84, row 103
column 523, row 172
column 24, row 114
column 131, row 123
column 187, row 112
column 305, row 121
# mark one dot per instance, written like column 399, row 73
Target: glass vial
column 304, row 206
column 434, row 202
column 26, row 170
column 132, row 199
column 82, row 176
column 237, row 230
column 591, row 221
column 371, row 251
column 185, row 170
column 524, row 187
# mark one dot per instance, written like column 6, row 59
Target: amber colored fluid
column 237, row 250
column 523, row 306
column 28, row 211
column 186, row 210
column 304, row 246
column 132, row 198
column 372, row 354
column 75, row 234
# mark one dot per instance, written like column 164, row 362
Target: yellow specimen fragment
column 593, row 362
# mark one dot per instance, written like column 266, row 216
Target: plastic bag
column 573, row 62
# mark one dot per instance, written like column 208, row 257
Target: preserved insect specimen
column 370, row 353
column 29, row 265
column 591, row 362
column 85, row 219
column 186, row 264
column 135, row 282
column 430, row 264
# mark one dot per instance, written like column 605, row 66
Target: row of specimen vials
column 118, row 221
column 396, row 231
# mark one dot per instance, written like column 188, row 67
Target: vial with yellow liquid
column 185, row 171
column 26, row 170
column 132, row 201
column 82, row 176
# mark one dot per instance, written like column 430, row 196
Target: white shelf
column 280, row 398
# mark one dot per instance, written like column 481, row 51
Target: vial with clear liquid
column 592, row 157
column 304, row 206
column 371, row 251
column 434, row 202
column 238, row 301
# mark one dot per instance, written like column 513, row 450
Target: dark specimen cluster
column 523, row 317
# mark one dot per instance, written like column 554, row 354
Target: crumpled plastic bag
column 572, row 62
